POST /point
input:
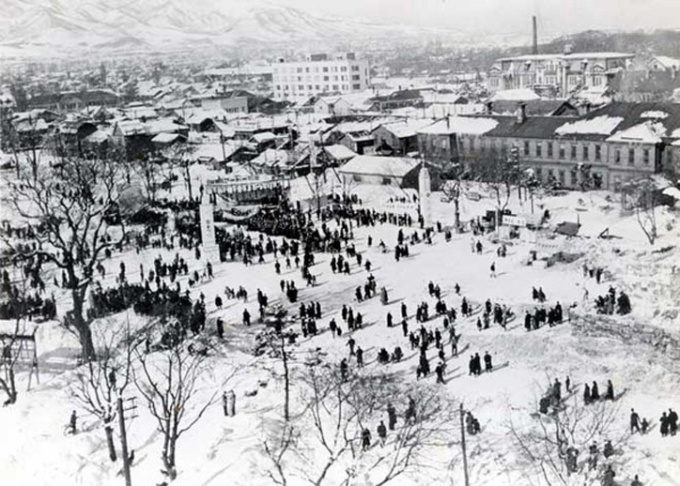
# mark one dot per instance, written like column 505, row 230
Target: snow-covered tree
column 322, row 442
column 71, row 207
column 100, row 382
column 168, row 381
column 553, row 448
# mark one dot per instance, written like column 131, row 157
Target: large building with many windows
column 562, row 72
column 319, row 74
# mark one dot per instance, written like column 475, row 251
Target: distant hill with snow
column 65, row 26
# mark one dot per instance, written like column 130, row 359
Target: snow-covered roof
column 380, row 166
column 339, row 152
column 654, row 114
column 601, row 125
column 271, row 157
column 263, row 137
column 406, row 128
column 461, row 125
column 165, row 137
column 163, row 125
column 647, row 132
column 99, row 136
column 521, row 94
column 667, row 62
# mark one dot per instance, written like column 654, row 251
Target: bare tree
column 100, row 382
column 322, row 443
column 553, row 446
column 180, row 156
column 70, row 207
column 168, row 382
column 151, row 173
column 498, row 171
column 638, row 195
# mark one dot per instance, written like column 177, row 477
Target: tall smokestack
column 534, row 48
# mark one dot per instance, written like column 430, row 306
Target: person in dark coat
column 594, row 392
column 391, row 416
column 487, row 362
column 634, row 421
column 389, row 319
column 586, row 394
column 351, row 342
column 360, row 357
column 382, row 433
column 608, row 449
column 343, row 369
column 220, row 328
column 664, row 425
column 365, row 439
column 527, row 321
column 404, row 313
column 672, row 421
column 246, row 317
column 609, row 395
column 404, row 327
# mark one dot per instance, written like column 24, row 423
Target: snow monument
column 425, row 195
column 210, row 250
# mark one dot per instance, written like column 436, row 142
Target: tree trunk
column 457, row 215
column 109, row 442
column 187, row 178
column 82, row 326
column 286, row 378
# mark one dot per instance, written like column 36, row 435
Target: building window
column 586, row 155
column 356, row 86
column 386, row 181
column 526, row 149
column 445, row 144
column 645, row 156
column 325, row 78
column 355, row 68
column 539, row 149
column 539, row 174
column 550, row 149
column 562, row 152
column 561, row 176
column 598, row 152
column 472, row 144
column 631, row 156
column 356, row 77
column 617, row 159
column 573, row 152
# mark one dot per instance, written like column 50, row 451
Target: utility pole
column 123, row 442
column 462, row 435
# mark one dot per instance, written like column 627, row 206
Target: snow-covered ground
column 34, row 450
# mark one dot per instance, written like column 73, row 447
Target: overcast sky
column 510, row 16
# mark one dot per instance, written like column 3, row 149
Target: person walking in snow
column 493, row 270
column 382, row 433
column 365, row 439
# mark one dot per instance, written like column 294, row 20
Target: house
column 337, row 154
column 439, row 142
column 70, row 101
column 536, row 107
column 663, row 63
column 332, row 106
column 398, row 138
column 397, row 99
column 373, row 169
column 564, row 72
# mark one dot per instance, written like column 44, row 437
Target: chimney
column 521, row 113
column 534, row 48
column 489, row 108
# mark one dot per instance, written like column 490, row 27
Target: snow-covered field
column 35, row 451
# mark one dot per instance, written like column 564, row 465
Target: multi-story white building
column 319, row 74
column 565, row 72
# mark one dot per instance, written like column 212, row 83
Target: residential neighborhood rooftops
column 468, row 125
